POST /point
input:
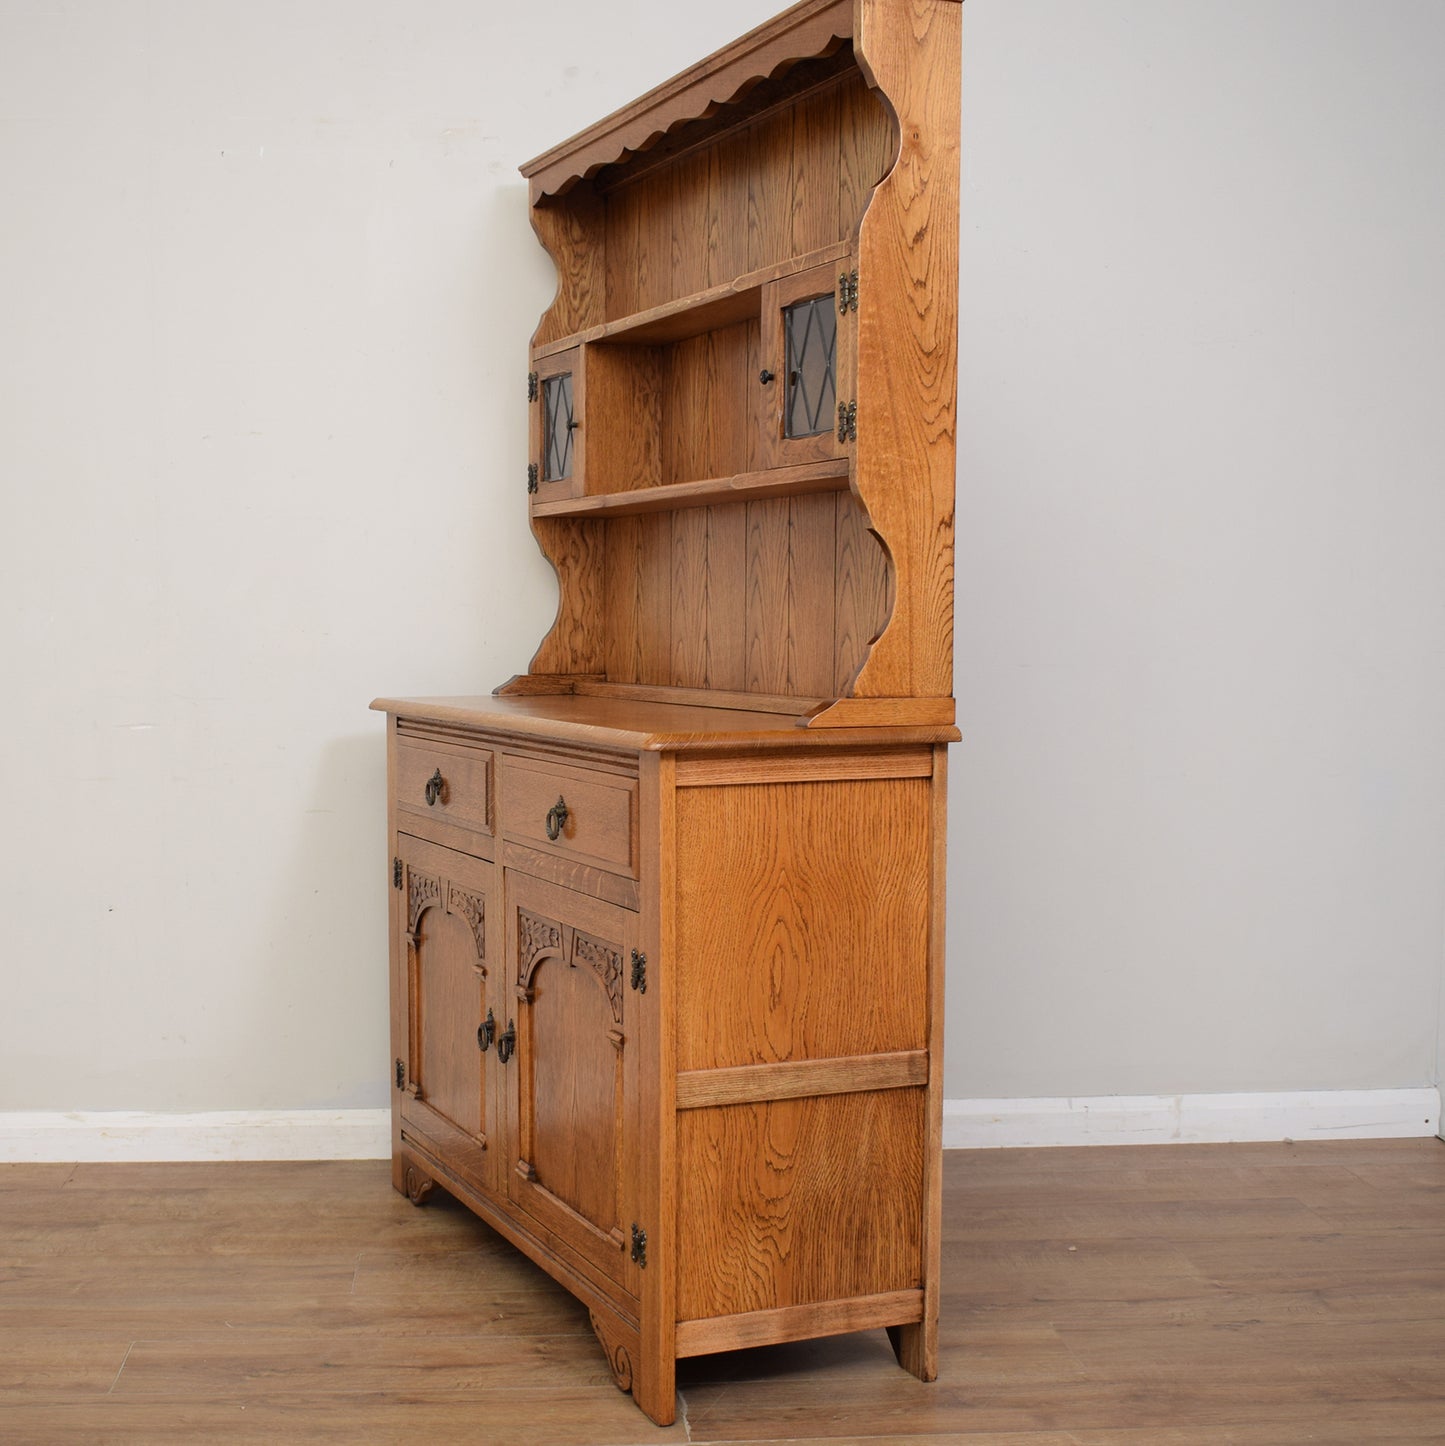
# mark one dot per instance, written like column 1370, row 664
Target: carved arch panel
column 447, row 948
column 571, row 1093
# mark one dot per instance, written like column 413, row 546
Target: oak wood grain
column 808, row 942
column 830, row 475
column 814, row 768
column 576, row 548
column 730, row 298
column 790, row 1323
column 616, row 720
column 794, row 1079
column 907, row 341
column 572, row 236
column 772, row 1208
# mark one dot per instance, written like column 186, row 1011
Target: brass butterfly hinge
column 531, row 477
column 639, row 1246
column 847, row 291
column 396, row 873
column 400, row 1075
column 847, row 421
column 639, row 971
column 531, row 386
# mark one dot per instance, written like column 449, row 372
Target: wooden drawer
column 593, row 813
column 444, row 781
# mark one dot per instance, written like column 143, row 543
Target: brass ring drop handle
column 507, row 1043
column 556, row 819
column 486, row 1031
column 434, row 786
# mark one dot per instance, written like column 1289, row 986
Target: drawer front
column 571, row 811
column 447, row 782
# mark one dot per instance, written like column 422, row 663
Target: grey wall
column 265, row 287
column 1201, row 608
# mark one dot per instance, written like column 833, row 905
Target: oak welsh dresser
column 667, row 910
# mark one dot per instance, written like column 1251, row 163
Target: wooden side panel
column 573, row 235
column 650, row 1016
column 794, row 1201
column 577, row 548
column 799, row 936
column 907, row 341
column 864, row 592
column 623, row 424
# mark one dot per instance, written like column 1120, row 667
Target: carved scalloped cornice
column 807, row 31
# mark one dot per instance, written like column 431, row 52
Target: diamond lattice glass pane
column 557, row 438
column 811, row 328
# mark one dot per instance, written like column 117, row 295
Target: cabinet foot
column 619, row 1358
column 916, row 1347
column 418, row 1186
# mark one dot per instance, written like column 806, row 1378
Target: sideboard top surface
column 648, row 726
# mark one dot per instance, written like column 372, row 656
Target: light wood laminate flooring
column 1168, row 1295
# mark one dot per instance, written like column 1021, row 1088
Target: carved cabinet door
column 448, row 945
column 572, row 1083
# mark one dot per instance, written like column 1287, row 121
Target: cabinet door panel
column 445, row 930
column 571, row 1089
column 810, row 347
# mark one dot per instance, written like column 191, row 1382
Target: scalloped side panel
column 908, row 342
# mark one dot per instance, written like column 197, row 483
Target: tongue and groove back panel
column 774, row 597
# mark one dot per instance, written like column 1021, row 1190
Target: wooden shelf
column 830, row 476
column 692, row 315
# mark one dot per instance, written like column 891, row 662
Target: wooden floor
column 1167, row 1295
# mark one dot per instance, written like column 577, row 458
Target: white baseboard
column 1191, row 1119
column 134, row 1135
column 115, row 1135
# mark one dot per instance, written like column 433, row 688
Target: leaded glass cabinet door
column 556, row 391
column 809, row 352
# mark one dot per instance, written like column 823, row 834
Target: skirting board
column 1191, row 1119
column 135, row 1135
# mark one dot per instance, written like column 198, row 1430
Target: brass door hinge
column 639, row 1246
column 639, row 971
column 396, row 873
column 847, row 421
column 531, row 477
column 531, row 386
column 847, row 291
column 400, row 1075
